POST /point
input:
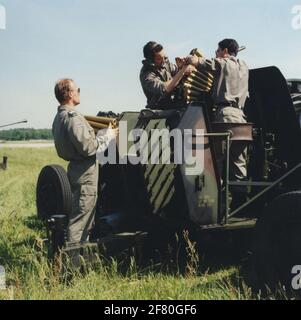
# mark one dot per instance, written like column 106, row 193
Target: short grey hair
column 62, row 89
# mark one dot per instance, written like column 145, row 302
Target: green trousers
column 83, row 178
column 238, row 150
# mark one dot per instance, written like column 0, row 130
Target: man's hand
column 112, row 133
column 188, row 69
column 180, row 62
column 105, row 136
column 193, row 60
column 108, row 134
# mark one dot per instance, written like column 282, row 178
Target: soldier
column 230, row 92
column 75, row 141
column 159, row 77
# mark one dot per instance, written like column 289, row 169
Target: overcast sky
column 99, row 44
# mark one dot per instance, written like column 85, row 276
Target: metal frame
column 227, row 135
column 270, row 185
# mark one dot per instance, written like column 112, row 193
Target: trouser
column 238, row 149
column 83, row 177
column 238, row 154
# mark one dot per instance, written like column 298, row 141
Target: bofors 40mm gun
column 151, row 202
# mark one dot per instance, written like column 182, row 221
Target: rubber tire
column 53, row 192
column 277, row 245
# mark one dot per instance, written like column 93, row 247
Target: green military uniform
column 229, row 94
column 153, row 81
column 75, row 141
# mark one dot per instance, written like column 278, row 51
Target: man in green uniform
column 75, row 141
column 229, row 94
column 159, row 77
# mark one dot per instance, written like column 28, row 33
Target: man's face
column 159, row 59
column 220, row 53
column 74, row 94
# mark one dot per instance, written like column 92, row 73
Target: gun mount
column 159, row 200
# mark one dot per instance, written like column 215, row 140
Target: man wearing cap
column 159, row 77
column 229, row 94
column 75, row 141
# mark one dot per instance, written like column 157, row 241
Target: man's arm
column 203, row 64
column 82, row 136
column 173, row 68
column 156, row 86
column 185, row 70
column 151, row 83
column 210, row 65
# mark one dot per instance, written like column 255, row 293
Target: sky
column 99, row 44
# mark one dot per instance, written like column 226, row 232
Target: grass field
column 25, row 141
column 30, row 276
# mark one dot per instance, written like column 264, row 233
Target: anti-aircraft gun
column 150, row 202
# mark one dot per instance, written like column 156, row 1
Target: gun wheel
column 277, row 243
column 53, row 194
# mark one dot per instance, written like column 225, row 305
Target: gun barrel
column 11, row 124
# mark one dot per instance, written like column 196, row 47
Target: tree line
column 26, row 134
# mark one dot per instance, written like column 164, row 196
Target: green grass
column 30, row 276
column 24, row 141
